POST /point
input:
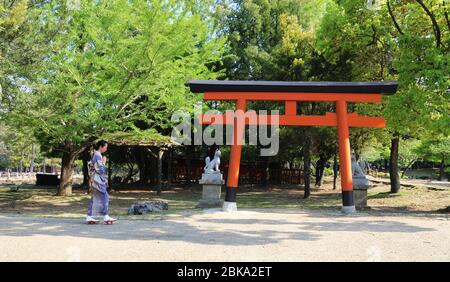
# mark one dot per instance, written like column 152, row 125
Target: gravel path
column 252, row 235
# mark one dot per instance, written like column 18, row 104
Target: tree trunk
column 188, row 164
column 264, row 172
column 21, row 164
column 142, row 164
column 320, row 168
column 152, row 168
column 307, row 164
column 67, row 164
column 407, row 168
column 130, row 173
column 33, row 155
column 170, row 166
column 159, row 180
column 85, row 159
column 393, row 165
column 335, row 171
column 442, row 169
column 357, row 155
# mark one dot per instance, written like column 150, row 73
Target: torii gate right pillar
column 345, row 163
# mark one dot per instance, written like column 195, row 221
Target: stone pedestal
column 229, row 207
column 348, row 209
column 360, row 186
column 211, row 190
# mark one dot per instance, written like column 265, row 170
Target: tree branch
column 437, row 30
column 393, row 18
column 85, row 145
column 446, row 15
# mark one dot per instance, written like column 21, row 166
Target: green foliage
column 13, row 15
column 377, row 152
column 117, row 69
column 137, row 137
column 274, row 40
column 421, row 106
column 436, row 150
column 115, row 66
column 352, row 34
column 367, row 44
column 16, row 149
column 269, row 40
column 408, row 152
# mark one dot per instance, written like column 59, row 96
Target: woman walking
column 99, row 202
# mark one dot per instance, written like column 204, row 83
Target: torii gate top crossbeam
column 293, row 92
column 327, row 87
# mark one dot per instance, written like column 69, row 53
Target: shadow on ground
column 243, row 228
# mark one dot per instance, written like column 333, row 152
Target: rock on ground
column 143, row 208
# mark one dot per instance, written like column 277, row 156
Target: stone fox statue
column 213, row 166
column 356, row 169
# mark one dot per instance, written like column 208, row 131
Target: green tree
column 436, row 150
column 22, row 45
column 273, row 40
column 408, row 154
column 421, row 107
column 412, row 48
column 114, row 66
column 351, row 33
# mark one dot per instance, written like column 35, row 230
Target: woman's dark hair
column 101, row 143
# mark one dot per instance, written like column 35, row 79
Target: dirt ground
column 274, row 224
column 211, row 235
column 32, row 201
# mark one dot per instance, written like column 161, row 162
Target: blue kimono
column 99, row 203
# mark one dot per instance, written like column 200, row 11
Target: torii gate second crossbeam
column 340, row 93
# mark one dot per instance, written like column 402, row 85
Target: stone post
column 360, row 185
column 211, row 190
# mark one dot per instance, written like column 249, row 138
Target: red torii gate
column 292, row 92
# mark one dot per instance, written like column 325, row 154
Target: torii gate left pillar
column 235, row 160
